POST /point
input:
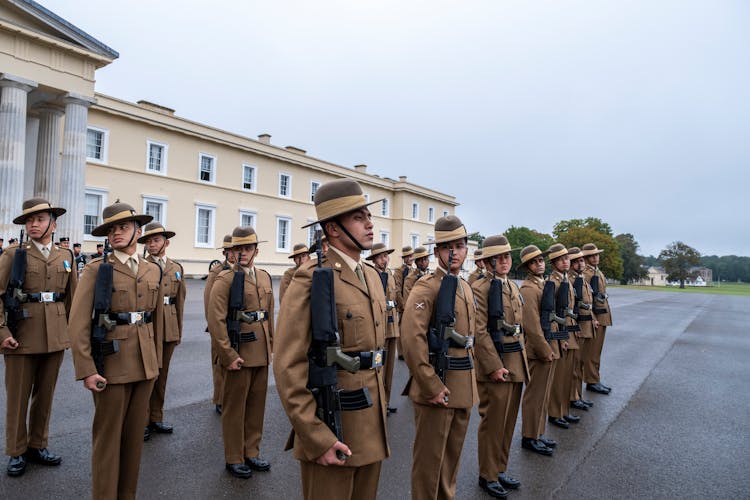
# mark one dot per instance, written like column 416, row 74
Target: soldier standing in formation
column 156, row 240
column 586, row 326
column 123, row 388
column 240, row 319
column 422, row 263
column 80, row 258
column 64, row 242
column 99, row 251
column 478, row 272
column 542, row 353
column 34, row 336
column 217, row 371
column 300, row 254
column 380, row 256
column 400, row 274
column 598, row 284
column 442, row 405
column 345, row 466
column 501, row 370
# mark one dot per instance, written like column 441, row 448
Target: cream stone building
column 83, row 150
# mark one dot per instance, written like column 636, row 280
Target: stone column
column 73, row 178
column 47, row 172
column 32, row 136
column 13, row 101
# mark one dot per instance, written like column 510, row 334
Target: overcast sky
column 529, row 112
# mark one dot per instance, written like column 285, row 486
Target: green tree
column 632, row 263
column 519, row 237
column 578, row 232
column 476, row 237
column 678, row 258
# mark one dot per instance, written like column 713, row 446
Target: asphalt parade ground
column 675, row 424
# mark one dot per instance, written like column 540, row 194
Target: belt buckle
column 136, row 318
column 47, row 297
column 166, row 300
column 390, row 304
column 377, row 359
column 516, row 330
column 260, row 315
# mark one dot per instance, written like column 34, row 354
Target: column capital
column 47, row 107
column 83, row 100
column 8, row 80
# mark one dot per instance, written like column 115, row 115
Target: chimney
column 361, row 168
column 296, row 150
column 265, row 138
column 401, row 178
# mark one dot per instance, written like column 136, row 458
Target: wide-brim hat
column 420, row 252
column 530, row 252
column 590, row 249
column 338, row 198
column 226, row 243
column 406, row 251
column 493, row 246
column 153, row 228
column 299, row 249
column 244, row 236
column 119, row 212
column 377, row 249
column 35, row 206
column 575, row 253
column 556, row 251
column 448, row 228
column 477, row 255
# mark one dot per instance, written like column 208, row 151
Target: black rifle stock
column 547, row 312
column 14, row 296
column 236, row 306
column 100, row 321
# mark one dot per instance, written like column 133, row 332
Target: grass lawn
column 724, row 289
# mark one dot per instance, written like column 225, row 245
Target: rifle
column 600, row 297
column 237, row 314
column 496, row 324
column 100, row 320
column 325, row 354
column 389, row 303
column 14, row 295
column 547, row 313
column 562, row 309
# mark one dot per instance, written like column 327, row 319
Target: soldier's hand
column 441, row 399
column 564, row 344
column 550, row 357
column 500, row 375
column 9, row 343
column 95, row 383
column 330, row 458
column 596, row 324
column 236, row 364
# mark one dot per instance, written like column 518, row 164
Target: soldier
column 603, row 316
column 542, row 353
column 422, row 262
column 12, row 242
column 2, row 242
column 344, row 465
column 442, row 399
column 64, row 242
column 478, row 272
column 300, row 254
column 99, row 252
column 156, row 240
column 400, row 274
column 217, row 371
column 379, row 256
column 562, row 381
column 240, row 319
column 586, row 326
column 502, row 370
column 34, row 332
column 121, row 376
column 80, row 259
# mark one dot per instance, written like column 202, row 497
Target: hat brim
column 523, row 265
column 348, row 209
column 299, row 252
column 103, row 230
column 246, row 243
column 373, row 255
column 167, row 235
column 587, row 253
column 21, row 219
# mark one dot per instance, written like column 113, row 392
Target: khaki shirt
column 172, row 290
column 391, row 297
column 412, row 278
column 286, row 278
column 537, row 347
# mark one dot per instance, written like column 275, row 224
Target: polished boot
column 560, row 422
column 608, row 388
column 16, row 466
column 572, row 419
column 258, row 464
column 42, row 456
column 160, row 428
column 587, row 402
column 549, row 442
column 217, row 408
column 493, row 488
column 241, row 471
column 146, row 434
column 598, row 388
column 536, row 445
column 508, row 482
column 579, row 405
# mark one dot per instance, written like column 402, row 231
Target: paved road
column 674, row 425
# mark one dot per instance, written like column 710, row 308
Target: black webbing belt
column 560, row 335
column 600, row 310
column 509, row 347
column 45, row 297
column 464, row 363
column 131, row 318
column 368, row 359
column 358, row 399
column 581, row 317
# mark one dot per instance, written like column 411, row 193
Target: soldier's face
column 156, row 244
column 301, row 259
column 503, row 263
column 77, row 251
column 422, row 263
column 381, row 260
column 40, row 226
column 480, row 264
column 443, row 252
column 123, row 235
column 229, row 255
column 562, row 264
column 409, row 260
column 536, row 266
column 64, row 244
column 359, row 224
column 578, row 265
column 593, row 260
column 245, row 254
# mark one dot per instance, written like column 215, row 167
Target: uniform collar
column 351, row 263
column 123, row 257
column 39, row 246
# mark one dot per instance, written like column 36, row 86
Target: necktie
column 460, row 290
column 45, row 252
column 360, row 274
column 162, row 262
column 133, row 265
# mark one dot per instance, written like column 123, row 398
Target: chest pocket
column 351, row 322
column 62, row 275
column 152, row 295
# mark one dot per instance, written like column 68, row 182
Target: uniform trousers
column 34, row 376
column 120, row 414
column 439, row 438
column 321, row 482
column 390, row 363
column 536, row 398
column 559, row 398
column 592, row 360
column 498, row 409
column 156, row 405
column 243, row 408
column 218, row 375
column 584, row 345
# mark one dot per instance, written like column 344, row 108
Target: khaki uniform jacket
column 475, row 275
column 210, row 280
column 286, row 278
column 139, row 357
column 46, row 328
column 398, row 276
column 414, row 275
column 557, row 278
column 488, row 360
column 586, row 327
column 424, row 384
column 172, row 286
column 604, row 316
column 391, row 295
column 536, row 346
column 258, row 296
column 362, row 320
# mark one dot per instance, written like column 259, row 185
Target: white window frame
column 289, row 185
column 288, row 220
column 162, row 200
column 385, row 237
column 255, row 178
column 385, row 208
column 102, row 193
column 313, row 188
column 445, row 213
column 249, row 213
column 213, row 170
column 414, row 239
column 430, row 214
column 105, row 145
column 414, row 208
column 165, row 154
column 211, row 227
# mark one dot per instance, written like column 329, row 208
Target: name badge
column 66, row 265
